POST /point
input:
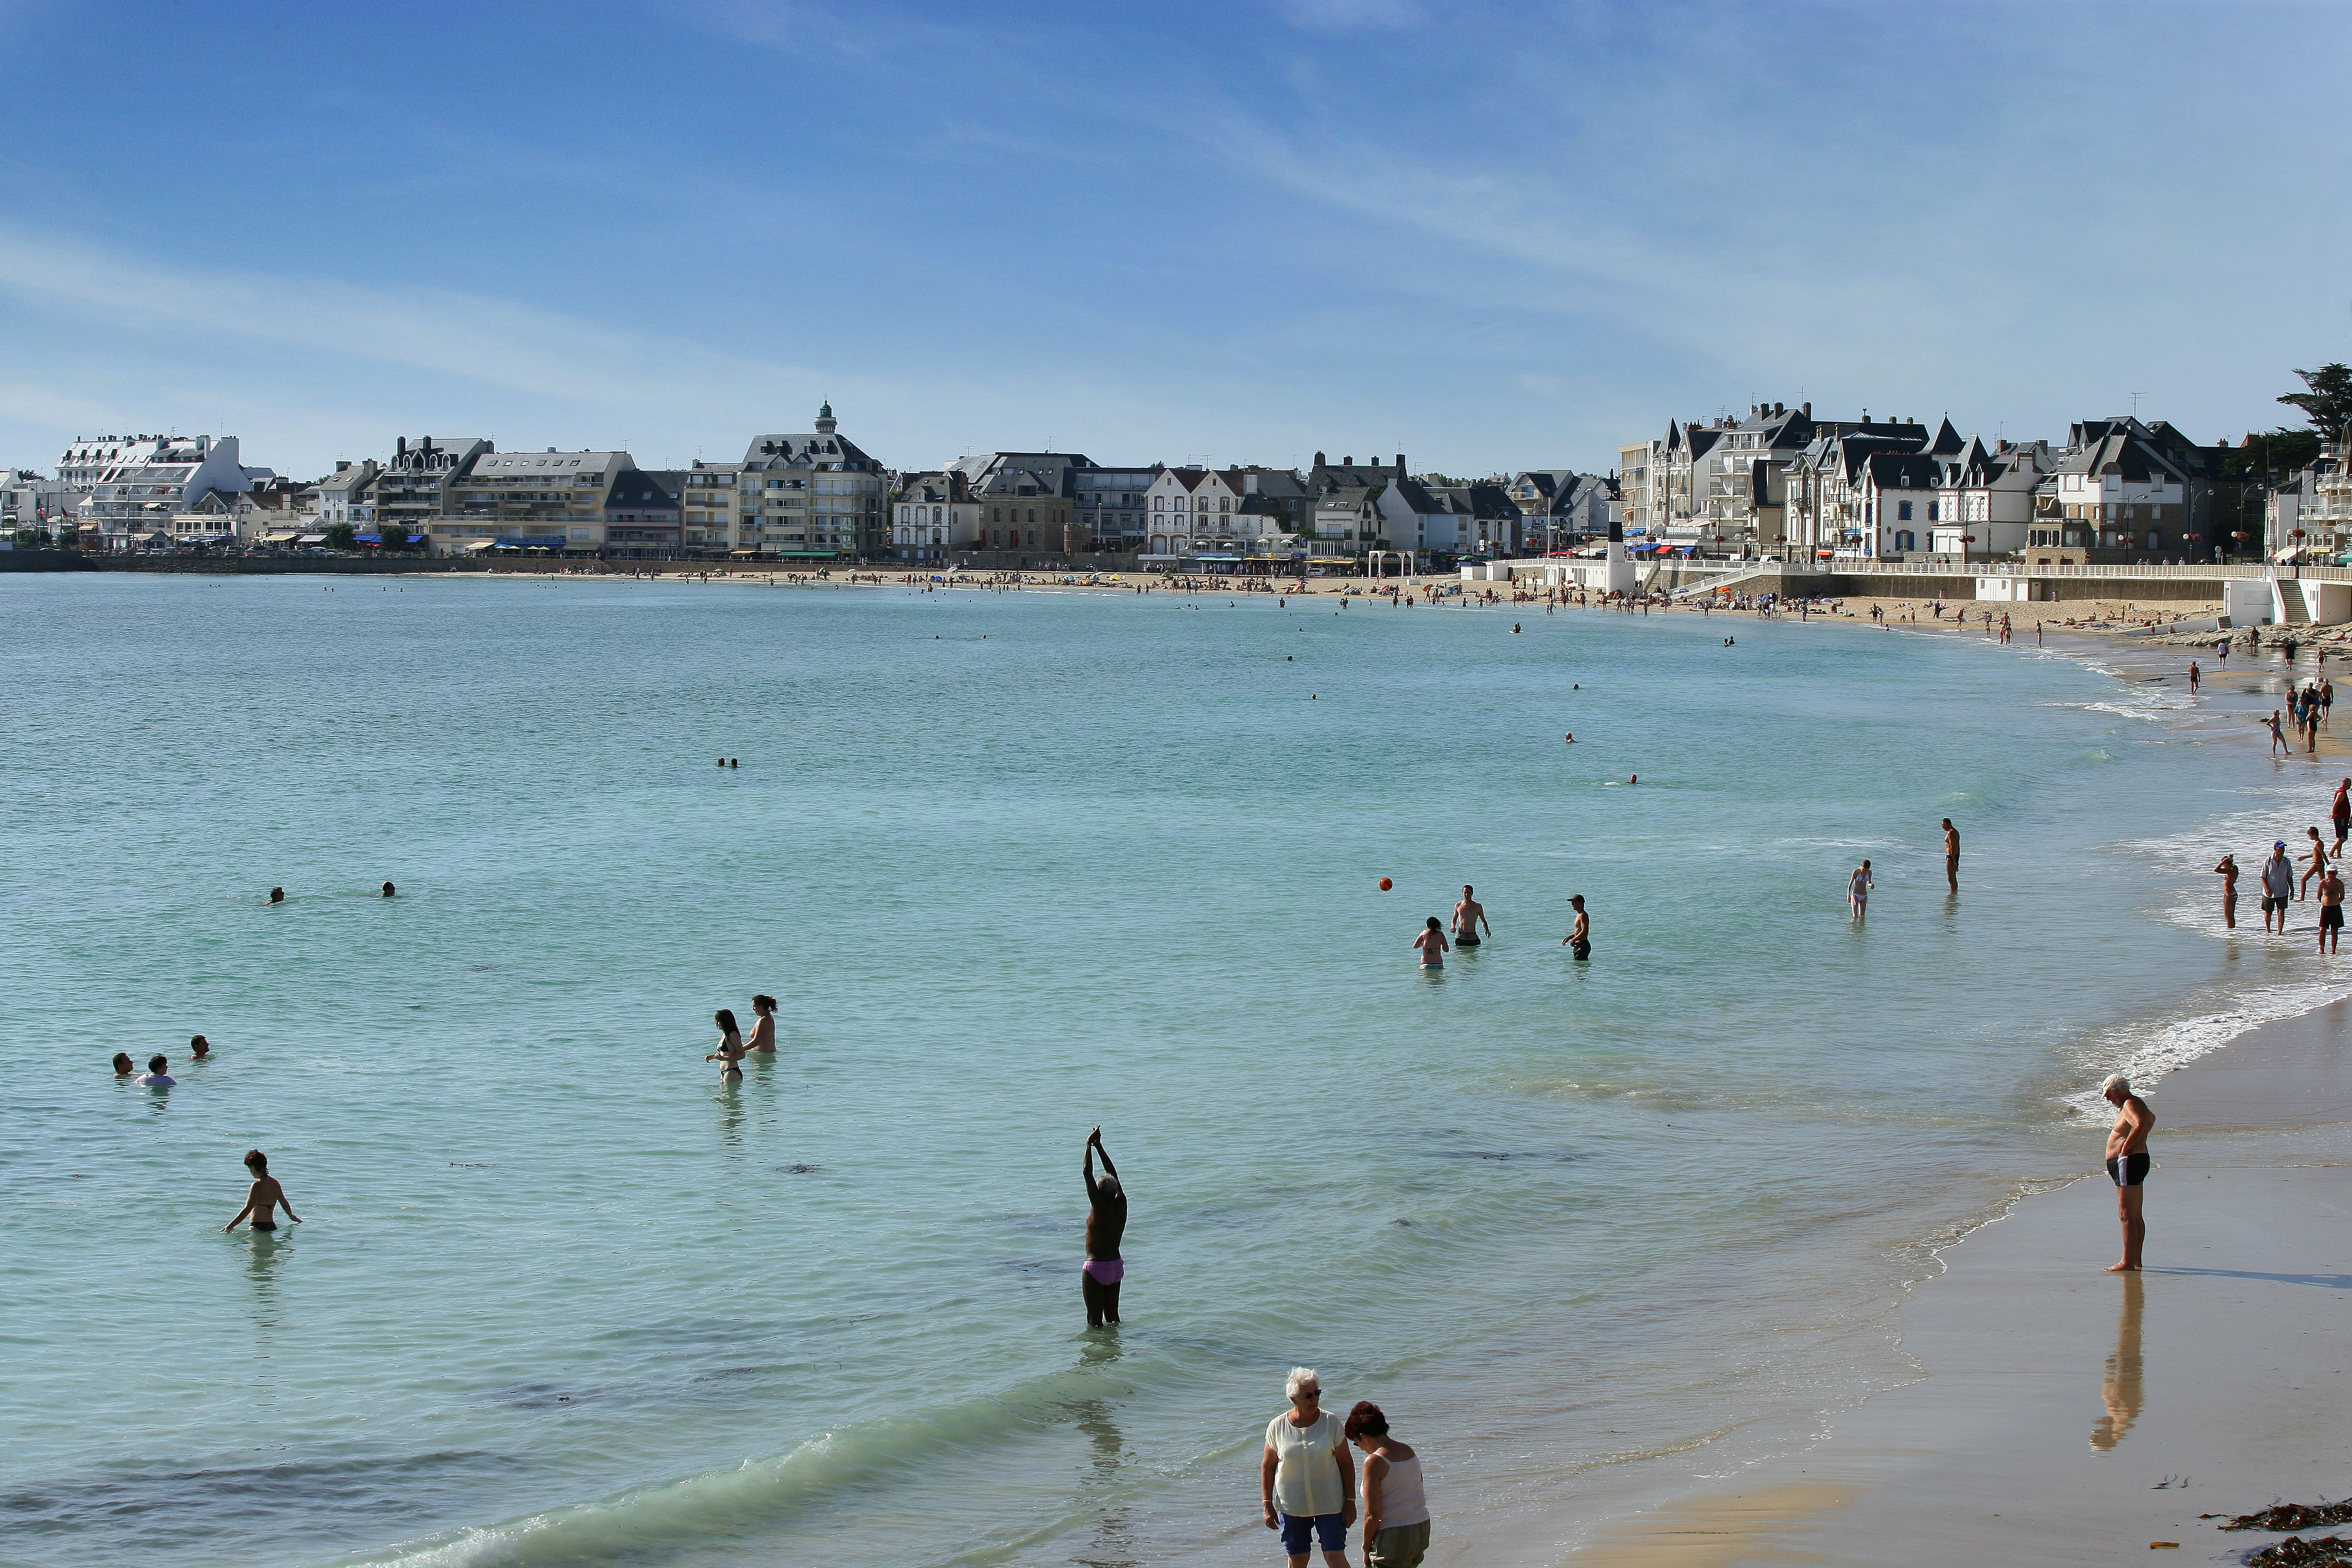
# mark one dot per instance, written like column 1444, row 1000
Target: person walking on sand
column 2128, row 1163
column 763, row 1031
column 1857, row 890
column 2318, row 852
column 2331, row 910
column 263, row 1198
column 729, row 1054
column 2278, row 886
column 1430, row 945
column 1469, row 914
column 1099, row 1276
column 1951, row 855
column 2229, row 873
column 1307, row 1486
column 1578, row 940
column 1396, row 1505
column 2339, row 811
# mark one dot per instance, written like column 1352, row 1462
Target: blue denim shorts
column 1325, row 1526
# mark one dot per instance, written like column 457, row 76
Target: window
column 1903, row 510
column 1933, row 510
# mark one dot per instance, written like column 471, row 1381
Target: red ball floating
column 1386, row 884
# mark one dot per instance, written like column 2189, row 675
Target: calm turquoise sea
column 1016, row 864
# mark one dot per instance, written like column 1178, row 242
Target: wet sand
column 2068, row 1416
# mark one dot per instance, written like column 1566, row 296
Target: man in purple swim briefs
column 1106, row 1223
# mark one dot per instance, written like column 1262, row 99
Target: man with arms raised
column 1106, row 1224
column 2127, row 1164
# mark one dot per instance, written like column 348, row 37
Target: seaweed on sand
column 2295, row 1551
column 2292, row 1516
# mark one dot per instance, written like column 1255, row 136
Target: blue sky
column 1496, row 237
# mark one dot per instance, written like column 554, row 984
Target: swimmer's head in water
column 764, row 1003
column 725, row 1019
column 256, row 1161
column 2117, row 1088
column 199, row 1044
column 388, row 890
column 1433, row 923
column 156, row 1064
column 277, row 895
column 122, row 1061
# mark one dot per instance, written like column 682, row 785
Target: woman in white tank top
column 1396, row 1507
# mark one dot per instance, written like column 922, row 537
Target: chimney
column 1399, row 471
column 1319, row 460
column 1807, row 409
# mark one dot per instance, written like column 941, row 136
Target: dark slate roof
column 1901, row 470
column 639, row 488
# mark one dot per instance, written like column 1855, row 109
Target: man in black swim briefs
column 2127, row 1164
column 1469, row 914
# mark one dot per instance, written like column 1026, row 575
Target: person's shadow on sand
column 2325, row 1281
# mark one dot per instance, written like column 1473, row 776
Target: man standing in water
column 2128, row 1163
column 2331, row 910
column 1578, row 940
column 1468, row 916
column 2278, row 886
column 1951, row 855
column 1106, row 1224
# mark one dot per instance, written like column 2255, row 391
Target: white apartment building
column 132, row 498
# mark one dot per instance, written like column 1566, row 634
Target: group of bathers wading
column 1470, row 919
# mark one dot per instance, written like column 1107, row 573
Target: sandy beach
column 2067, row 1416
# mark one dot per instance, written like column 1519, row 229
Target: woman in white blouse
column 1310, row 1487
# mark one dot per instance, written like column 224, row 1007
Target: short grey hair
column 1300, row 1377
column 2116, row 1080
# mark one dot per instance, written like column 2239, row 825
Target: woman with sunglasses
column 1308, row 1486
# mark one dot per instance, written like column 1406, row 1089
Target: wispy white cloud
column 465, row 337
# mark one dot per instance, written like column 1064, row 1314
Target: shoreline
column 2062, row 1413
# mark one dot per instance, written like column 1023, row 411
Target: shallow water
column 1016, row 864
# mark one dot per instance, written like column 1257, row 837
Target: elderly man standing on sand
column 2128, row 1163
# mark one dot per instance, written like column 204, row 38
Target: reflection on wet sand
column 2121, row 1389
